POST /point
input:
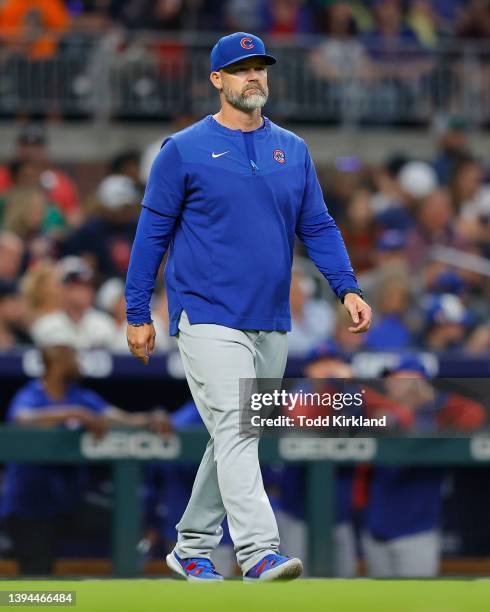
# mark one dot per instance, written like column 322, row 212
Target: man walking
column 228, row 194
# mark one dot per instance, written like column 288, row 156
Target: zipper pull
column 254, row 166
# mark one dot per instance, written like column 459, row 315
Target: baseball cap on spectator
column 391, row 240
column 53, row 330
column 457, row 123
column 32, row 134
column 75, row 270
column 117, row 191
column 237, row 47
column 453, row 123
column 418, row 179
column 448, row 281
column 109, row 294
column 446, row 308
column 325, row 350
column 408, row 363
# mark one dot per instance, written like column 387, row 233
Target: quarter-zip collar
column 260, row 132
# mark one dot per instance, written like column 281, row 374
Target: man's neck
column 235, row 119
column 55, row 387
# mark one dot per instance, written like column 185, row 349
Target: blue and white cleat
column 274, row 567
column 195, row 569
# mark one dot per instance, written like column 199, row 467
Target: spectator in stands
column 127, row 163
column 403, row 516
column 423, row 21
column 149, row 14
column 90, row 327
column 33, row 27
column 390, row 330
column 88, row 16
column 340, row 59
column 12, row 317
column 61, row 190
column 312, row 319
column 435, row 225
column 106, row 236
column 286, row 17
column 110, row 299
column 41, row 288
column 359, row 230
column 474, row 22
column 453, row 146
column 170, row 15
column 243, row 15
column 24, row 173
column 384, row 43
column 11, row 256
column 389, row 260
column 398, row 62
column 39, row 501
column 402, row 186
column 471, row 199
column 448, row 12
column 447, row 323
column 28, row 214
column 387, row 190
column 479, row 341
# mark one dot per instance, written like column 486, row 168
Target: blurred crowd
column 418, row 233
column 382, row 60
column 423, row 20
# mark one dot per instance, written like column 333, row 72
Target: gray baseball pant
column 413, row 556
column 228, row 480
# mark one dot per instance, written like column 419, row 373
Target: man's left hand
column 359, row 311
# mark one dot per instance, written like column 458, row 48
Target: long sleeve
column 321, row 236
column 162, row 203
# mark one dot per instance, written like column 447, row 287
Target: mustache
column 254, row 87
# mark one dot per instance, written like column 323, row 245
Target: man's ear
column 215, row 78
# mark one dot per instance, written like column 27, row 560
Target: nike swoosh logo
column 214, row 155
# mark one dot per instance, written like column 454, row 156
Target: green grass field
column 234, row 596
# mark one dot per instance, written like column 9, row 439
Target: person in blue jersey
column 40, row 502
column 402, row 519
column 226, row 197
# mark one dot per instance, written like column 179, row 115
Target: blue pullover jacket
column 228, row 204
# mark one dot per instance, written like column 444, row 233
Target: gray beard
column 246, row 103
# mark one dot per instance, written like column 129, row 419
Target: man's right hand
column 141, row 341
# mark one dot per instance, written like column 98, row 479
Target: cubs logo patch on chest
column 279, row 156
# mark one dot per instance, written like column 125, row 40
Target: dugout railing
column 127, row 451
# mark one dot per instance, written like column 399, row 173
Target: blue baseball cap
column 328, row 349
column 391, row 240
column 446, row 308
column 408, row 363
column 236, row 47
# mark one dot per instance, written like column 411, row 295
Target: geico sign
column 138, row 445
column 480, row 448
column 361, row 449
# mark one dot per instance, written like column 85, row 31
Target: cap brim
column 269, row 59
